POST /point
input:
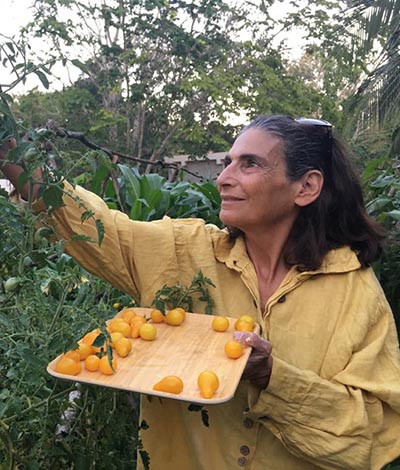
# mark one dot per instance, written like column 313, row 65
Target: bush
column 50, row 304
column 382, row 183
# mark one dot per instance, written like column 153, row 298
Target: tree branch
column 65, row 133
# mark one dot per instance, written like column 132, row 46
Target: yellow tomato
column 68, row 366
column 208, row 383
column 91, row 336
column 169, row 384
column 220, row 323
column 233, row 349
column 84, row 350
column 105, row 366
column 181, row 310
column 121, row 327
column 92, row 363
column 157, row 316
column 115, row 337
column 123, row 347
column 73, row 354
column 175, row 317
column 138, row 319
column 148, row 332
column 249, row 319
column 243, row 325
column 128, row 313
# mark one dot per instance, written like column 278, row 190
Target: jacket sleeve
column 132, row 255
column 348, row 421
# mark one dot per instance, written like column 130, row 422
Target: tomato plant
column 47, row 423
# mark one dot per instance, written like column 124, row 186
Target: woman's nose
column 225, row 177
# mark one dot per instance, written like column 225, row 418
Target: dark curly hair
column 338, row 216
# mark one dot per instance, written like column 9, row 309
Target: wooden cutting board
column 184, row 350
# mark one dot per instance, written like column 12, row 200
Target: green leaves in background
column 150, row 197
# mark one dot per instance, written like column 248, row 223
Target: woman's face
column 255, row 191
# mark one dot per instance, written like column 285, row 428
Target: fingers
column 259, row 365
column 259, row 373
column 253, row 340
column 6, row 146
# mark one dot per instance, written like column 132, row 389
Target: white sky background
column 17, row 13
column 14, row 15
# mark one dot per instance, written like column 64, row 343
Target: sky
column 14, row 13
column 17, row 13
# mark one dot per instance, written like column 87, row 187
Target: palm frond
column 376, row 27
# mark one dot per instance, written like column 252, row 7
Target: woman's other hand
column 259, row 366
column 12, row 172
column 6, row 146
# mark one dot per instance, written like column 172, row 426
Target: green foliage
column 382, row 179
column 375, row 26
column 160, row 79
column 169, row 297
column 395, row 465
column 54, row 304
column 150, row 197
column 154, row 85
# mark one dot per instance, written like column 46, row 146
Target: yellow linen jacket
column 333, row 401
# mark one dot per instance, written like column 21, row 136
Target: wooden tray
column 184, row 350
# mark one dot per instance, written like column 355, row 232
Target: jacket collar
column 234, row 254
column 339, row 260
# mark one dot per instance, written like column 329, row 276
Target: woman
column 296, row 256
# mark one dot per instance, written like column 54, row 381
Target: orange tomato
column 73, row 354
column 68, row 366
column 220, row 323
column 91, row 336
column 208, row 383
column 92, row 363
column 243, row 325
column 135, row 328
column 128, row 313
column 84, row 350
column 170, row 384
column 122, row 327
column 115, row 337
column 148, row 331
column 157, row 316
column 175, row 317
column 233, row 349
column 181, row 310
column 249, row 319
column 123, row 347
column 138, row 319
column 105, row 367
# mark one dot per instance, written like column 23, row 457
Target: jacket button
column 241, row 461
column 248, row 423
column 282, row 299
column 244, row 450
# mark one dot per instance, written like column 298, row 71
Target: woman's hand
column 259, row 366
column 6, row 146
column 12, row 172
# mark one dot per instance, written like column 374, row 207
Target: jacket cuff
column 280, row 400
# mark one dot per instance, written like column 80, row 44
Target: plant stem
column 36, row 405
column 58, row 311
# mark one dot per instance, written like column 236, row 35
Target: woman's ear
column 310, row 188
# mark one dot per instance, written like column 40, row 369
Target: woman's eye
column 250, row 163
column 227, row 161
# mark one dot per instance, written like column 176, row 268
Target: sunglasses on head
column 322, row 124
column 314, row 122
